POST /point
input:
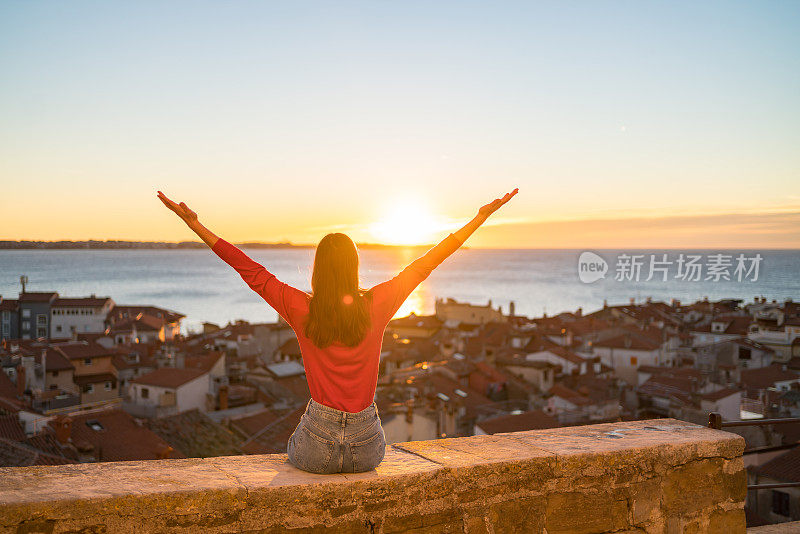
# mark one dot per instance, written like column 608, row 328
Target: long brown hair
column 338, row 310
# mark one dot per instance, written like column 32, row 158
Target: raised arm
column 394, row 292
column 190, row 218
column 277, row 294
column 483, row 214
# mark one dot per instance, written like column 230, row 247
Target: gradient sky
column 624, row 124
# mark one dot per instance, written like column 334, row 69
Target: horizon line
column 290, row 244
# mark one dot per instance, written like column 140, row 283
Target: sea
column 201, row 286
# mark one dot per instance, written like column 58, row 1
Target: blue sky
column 285, row 120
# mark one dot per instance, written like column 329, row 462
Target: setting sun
column 406, row 223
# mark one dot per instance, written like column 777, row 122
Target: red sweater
column 338, row 376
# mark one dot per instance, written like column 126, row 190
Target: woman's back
column 340, row 429
column 338, row 376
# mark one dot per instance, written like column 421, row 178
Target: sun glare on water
column 406, row 223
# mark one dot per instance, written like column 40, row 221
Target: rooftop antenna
column 23, row 280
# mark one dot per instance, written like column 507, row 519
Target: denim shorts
column 328, row 440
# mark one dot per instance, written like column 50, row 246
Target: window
column 88, row 388
column 26, row 313
column 41, row 319
column 87, row 361
column 145, row 393
column 41, row 331
column 54, row 373
column 26, row 325
column 108, row 386
column 6, row 329
column 744, row 353
column 634, row 360
column 780, row 503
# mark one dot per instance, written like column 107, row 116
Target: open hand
column 182, row 210
column 494, row 205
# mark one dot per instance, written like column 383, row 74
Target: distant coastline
column 156, row 245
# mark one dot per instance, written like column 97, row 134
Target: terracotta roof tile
column 785, row 467
column 7, row 387
column 116, row 436
column 55, row 360
column 195, row 435
column 274, row 437
column 120, row 312
column 252, row 424
column 532, row 420
column 84, row 302
column 572, row 396
column 203, row 361
column 17, row 454
column 83, row 349
column 168, row 377
column 630, row 341
column 10, row 427
column 765, row 377
column 142, row 323
column 720, row 394
column 36, row 296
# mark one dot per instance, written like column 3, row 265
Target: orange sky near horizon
column 624, row 125
column 409, row 223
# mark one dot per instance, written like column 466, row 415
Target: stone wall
column 663, row 476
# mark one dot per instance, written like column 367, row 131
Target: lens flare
column 406, row 223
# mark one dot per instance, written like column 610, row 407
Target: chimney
column 579, row 312
column 74, row 335
column 605, row 304
column 223, row 397
column 62, row 424
column 511, row 308
column 633, row 301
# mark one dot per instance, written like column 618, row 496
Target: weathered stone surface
column 646, row 476
column 700, row 484
column 781, row 528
